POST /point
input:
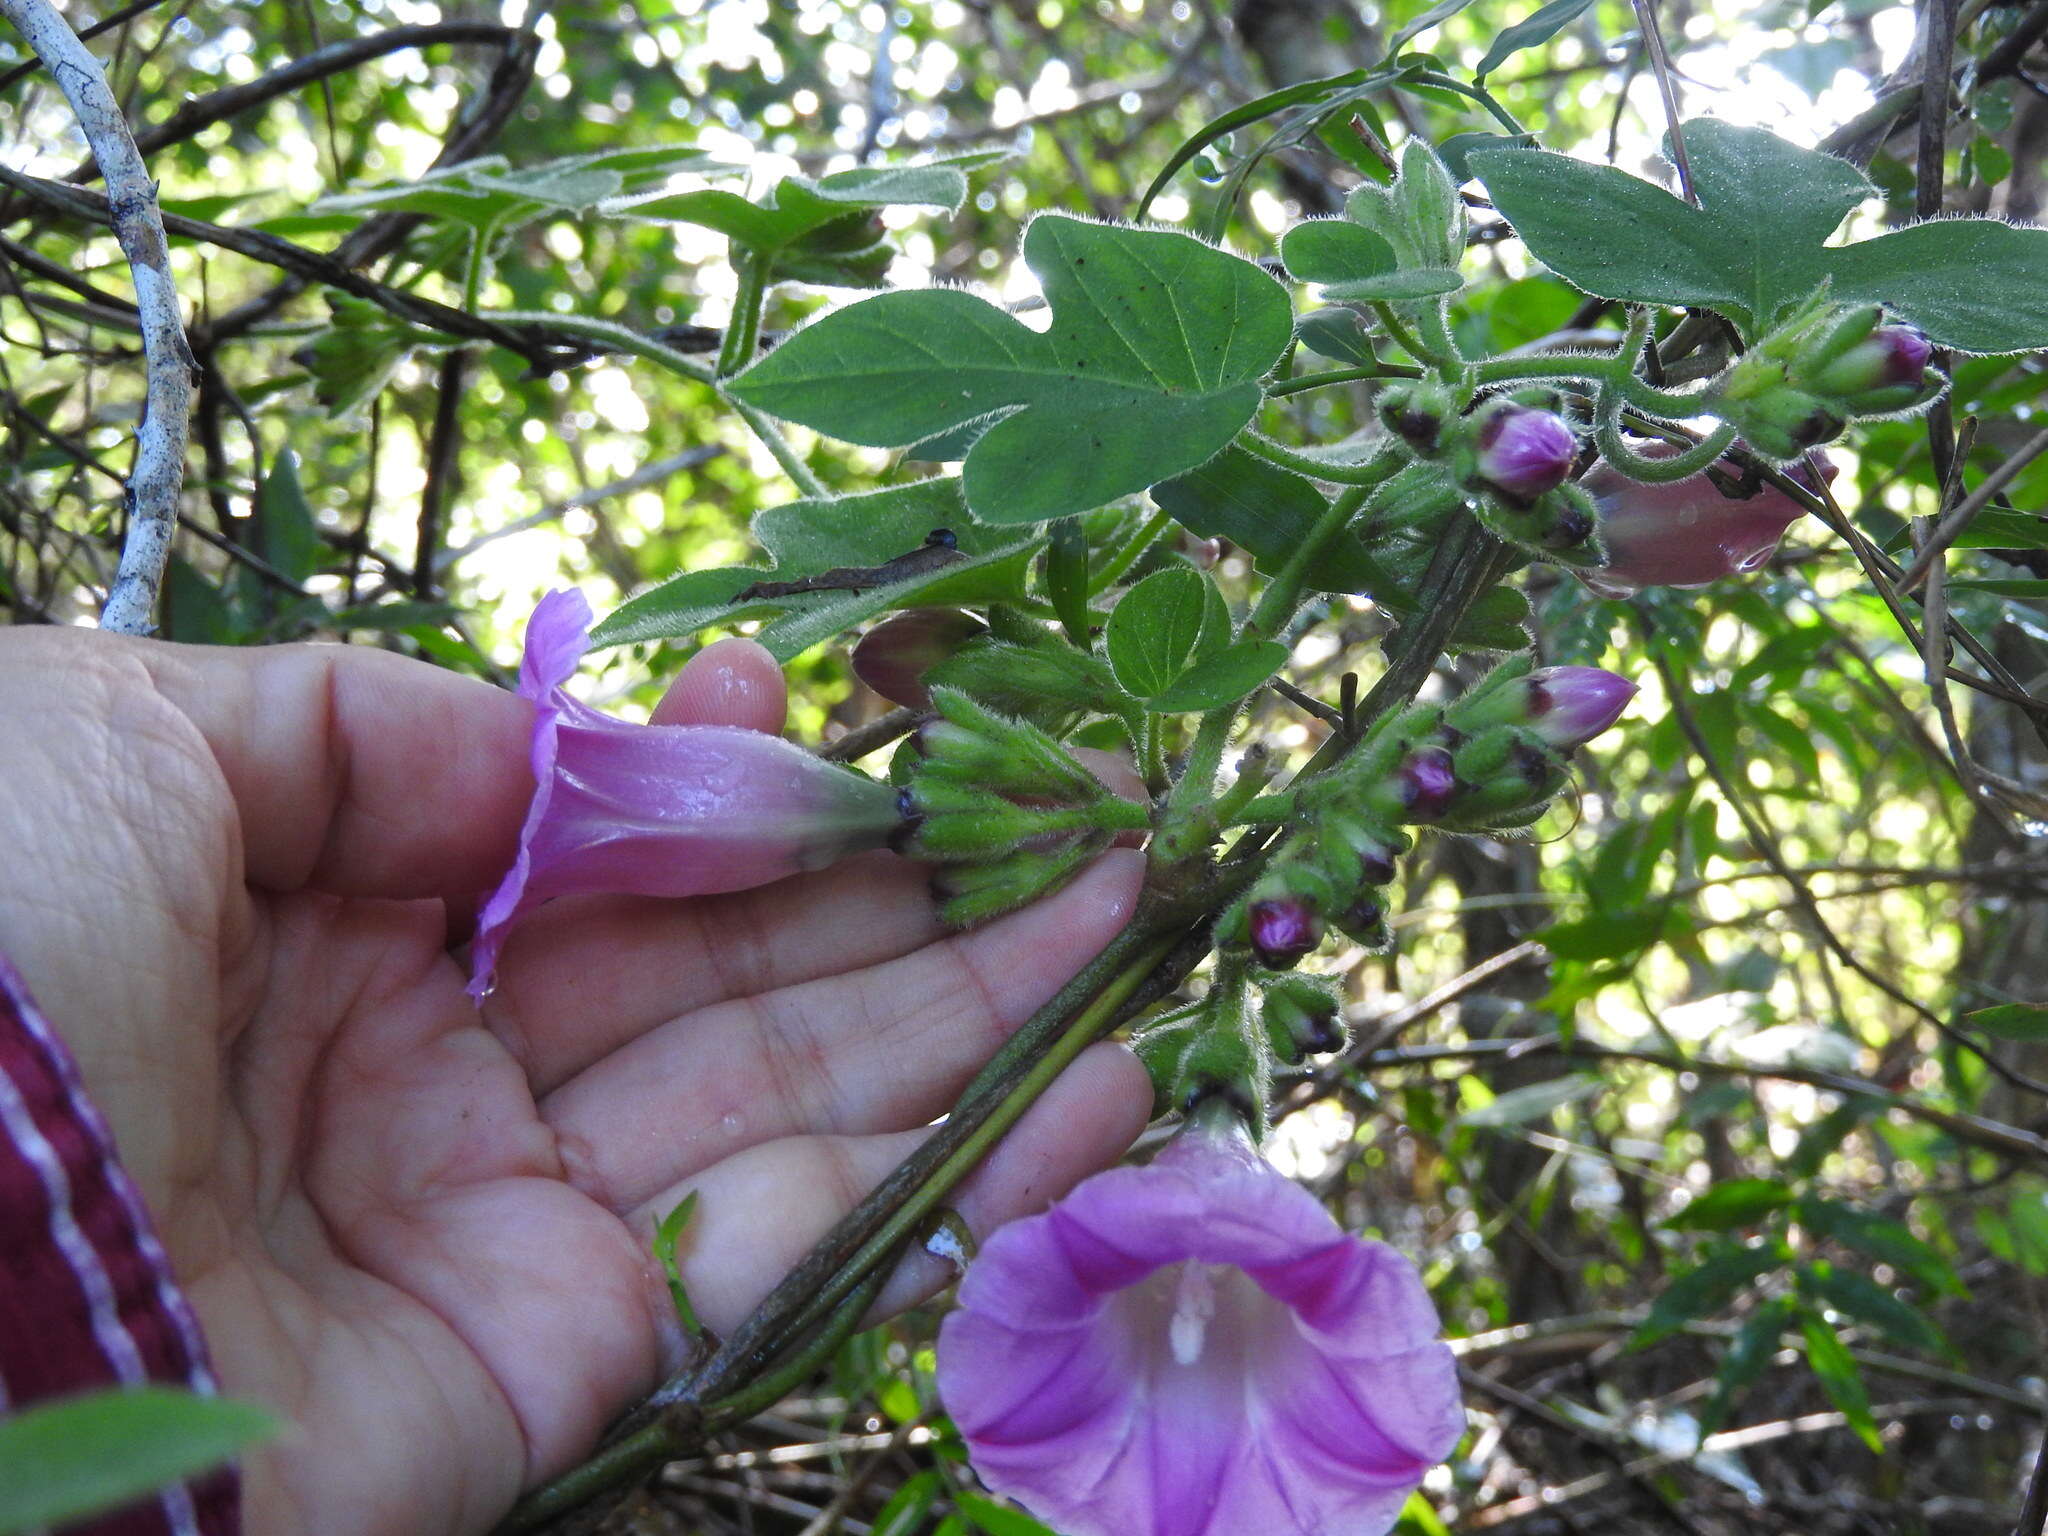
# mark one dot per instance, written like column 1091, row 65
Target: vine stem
column 1609, row 372
column 743, row 332
column 1368, row 474
column 160, row 435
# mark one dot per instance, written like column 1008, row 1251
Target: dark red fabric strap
column 86, row 1295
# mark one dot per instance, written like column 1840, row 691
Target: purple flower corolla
column 1426, row 782
column 1569, row 706
column 1283, row 930
column 660, row 810
column 1195, row 1348
column 1523, row 453
column 1891, row 355
column 1687, row 533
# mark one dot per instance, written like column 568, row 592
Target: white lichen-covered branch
column 160, row 434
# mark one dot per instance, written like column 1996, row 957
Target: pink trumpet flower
column 660, row 810
column 1688, row 533
column 1195, row 1348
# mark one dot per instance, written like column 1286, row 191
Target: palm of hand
column 418, row 1232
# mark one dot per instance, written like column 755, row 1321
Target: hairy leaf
column 1150, row 366
column 1754, row 246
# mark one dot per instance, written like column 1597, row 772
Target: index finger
column 355, row 771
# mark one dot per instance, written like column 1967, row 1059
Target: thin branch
column 1660, row 65
column 1952, row 526
column 543, row 349
column 643, row 477
column 203, row 112
column 138, row 224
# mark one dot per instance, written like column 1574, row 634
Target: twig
column 1660, row 65
column 1994, row 1135
column 2034, row 1514
column 204, row 111
column 543, row 349
column 863, row 739
column 1952, row 526
column 167, row 401
column 127, row 13
column 443, row 468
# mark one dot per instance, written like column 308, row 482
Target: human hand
column 423, row 1234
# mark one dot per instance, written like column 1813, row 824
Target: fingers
column 363, row 773
column 354, row 770
column 730, row 682
column 587, row 975
column 760, row 1211
column 884, row 1049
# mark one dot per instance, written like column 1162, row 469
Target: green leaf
column 1224, row 678
column 1454, row 150
column 2012, row 1021
column 1607, row 935
column 1754, row 246
column 486, row 195
column 1707, row 1288
column 2026, row 589
column 1860, row 1297
column 993, row 1519
column 666, row 1236
column 1520, row 1105
column 1154, row 629
column 1239, row 117
column 1831, row 1361
column 291, row 537
column 1976, row 285
column 1337, row 333
column 1892, row 1242
column 1746, row 1359
column 1530, row 32
column 1264, row 510
column 798, row 206
column 904, row 1514
column 808, row 537
column 353, row 359
column 1151, row 365
column 82, row 1455
column 1353, row 263
column 1731, row 1203
column 1749, row 250
column 1442, row 11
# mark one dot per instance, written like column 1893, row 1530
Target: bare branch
column 138, row 224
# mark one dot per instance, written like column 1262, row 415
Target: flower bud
column 1374, row 850
column 1520, row 453
column 1424, row 784
column 1302, row 1017
column 894, row 656
column 1416, row 412
column 1568, row 706
column 1890, row 357
column 1691, row 532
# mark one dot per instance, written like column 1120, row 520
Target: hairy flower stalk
column 660, row 810
column 1195, row 1348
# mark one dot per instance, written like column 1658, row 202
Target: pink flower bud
column 1283, row 930
column 894, row 656
column 1688, row 533
column 661, row 810
column 1425, row 784
column 1891, row 355
column 1522, row 452
column 1569, row 706
column 1195, row 1348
